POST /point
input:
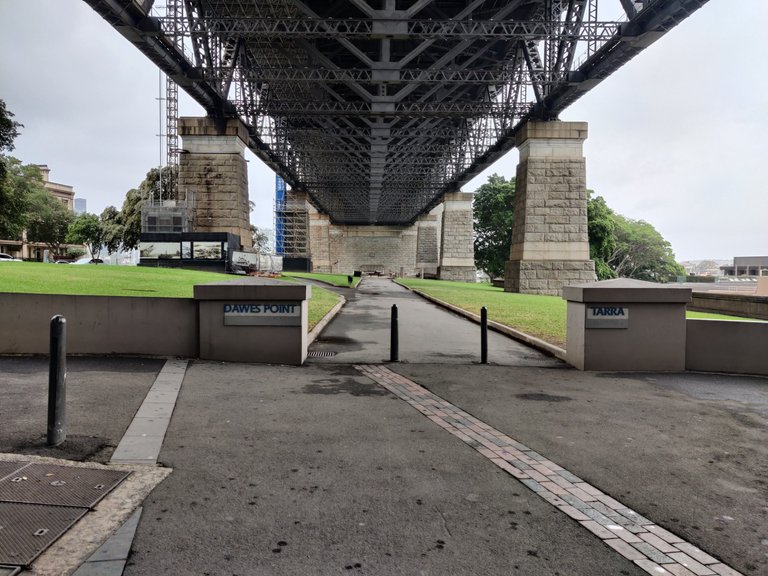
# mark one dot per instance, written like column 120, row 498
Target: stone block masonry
column 550, row 245
column 457, row 256
column 213, row 172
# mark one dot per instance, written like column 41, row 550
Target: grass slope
column 540, row 316
column 103, row 280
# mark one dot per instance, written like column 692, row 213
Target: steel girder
column 376, row 108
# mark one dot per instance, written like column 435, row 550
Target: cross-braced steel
column 376, row 108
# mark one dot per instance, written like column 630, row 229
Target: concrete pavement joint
column 142, row 442
column 650, row 547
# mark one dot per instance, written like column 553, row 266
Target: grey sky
column 677, row 137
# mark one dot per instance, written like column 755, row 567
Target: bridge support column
column 213, row 174
column 457, row 254
column 550, row 245
column 427, row 245
column 319, row 242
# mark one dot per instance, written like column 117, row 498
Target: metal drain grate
column 7, row 468
column 28, row 529
column 59, row 485
column 320, row 354
column 9, row 570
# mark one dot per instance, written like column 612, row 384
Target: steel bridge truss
column 376, row 108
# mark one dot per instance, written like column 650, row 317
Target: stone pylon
column 214, row 177
column 457, row 251
column 550, row 244
column 427, row 247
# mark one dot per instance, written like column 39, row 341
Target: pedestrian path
column 428, row 333
column 638, row 539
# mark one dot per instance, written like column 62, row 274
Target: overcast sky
column 677, row 137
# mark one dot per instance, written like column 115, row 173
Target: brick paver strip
column 649, row 546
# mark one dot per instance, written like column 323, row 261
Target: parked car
column 87, row 260
column 8, row 258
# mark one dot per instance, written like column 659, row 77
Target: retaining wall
column 726, row 346
column 100, row 324
column 745, row 305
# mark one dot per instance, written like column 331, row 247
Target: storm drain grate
column 7, row 468
column 59, row 485
column 320, row 354
column 28, row 529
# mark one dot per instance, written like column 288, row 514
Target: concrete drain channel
column 39, row 502
column 320, row 354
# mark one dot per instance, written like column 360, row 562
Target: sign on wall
column 262, row 314
column 607, row 317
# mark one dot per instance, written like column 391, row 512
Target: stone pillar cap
column 554, row 130
column 626, row 290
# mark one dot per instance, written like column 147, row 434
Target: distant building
column 80, row 206
column 747, row 266
column 21, row 248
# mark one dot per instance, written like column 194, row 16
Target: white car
column 8, row 258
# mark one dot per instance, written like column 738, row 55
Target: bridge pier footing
column 550, row 244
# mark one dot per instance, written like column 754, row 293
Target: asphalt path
column 428, row 333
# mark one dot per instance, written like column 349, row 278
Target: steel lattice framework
column 376, row 108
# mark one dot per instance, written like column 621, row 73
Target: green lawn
column 334, row 279
column 104, row 280
column 540, row 316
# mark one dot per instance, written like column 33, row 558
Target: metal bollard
column 57, row 382
column 483, row 335
column 394, row 345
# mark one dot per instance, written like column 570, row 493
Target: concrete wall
column 100, row 324
column 726, row 346
column 744, row 305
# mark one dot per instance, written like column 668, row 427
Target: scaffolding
column 292, row 217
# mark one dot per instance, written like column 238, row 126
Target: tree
column 260, row 240
column 9, row 129
column 87, row 229
column 112, row 229
column 642, row 253
column 48, row 220
column 16, row 188
column 601, row 226
column 493, row 208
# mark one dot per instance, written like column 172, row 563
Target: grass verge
column 103, row 280
column 540, row 316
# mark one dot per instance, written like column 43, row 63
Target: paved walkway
column 428, row 333
column 523, row 467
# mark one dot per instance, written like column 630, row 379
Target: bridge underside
column 376, row 109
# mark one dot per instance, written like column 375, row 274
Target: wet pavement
column 322, row 469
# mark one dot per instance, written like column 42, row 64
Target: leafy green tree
column 16, row 189
column 48, row 220
column 642, row 253
column 87, row 229
column 112, row 229
column 9, row 128
column 601, row 226
column 260, row 240
column 493, row 209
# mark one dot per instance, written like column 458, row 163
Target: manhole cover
column 320, row 354
column 28, row 529
column 59, row 485
column 8, row 468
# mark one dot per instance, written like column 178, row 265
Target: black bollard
column 394, row 347
column 57, row 382
column 483, row 335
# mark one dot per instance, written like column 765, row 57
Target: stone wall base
column 546, row 276
column 457, row 273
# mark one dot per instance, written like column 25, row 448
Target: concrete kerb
column 531, row 341
column 320, row 326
